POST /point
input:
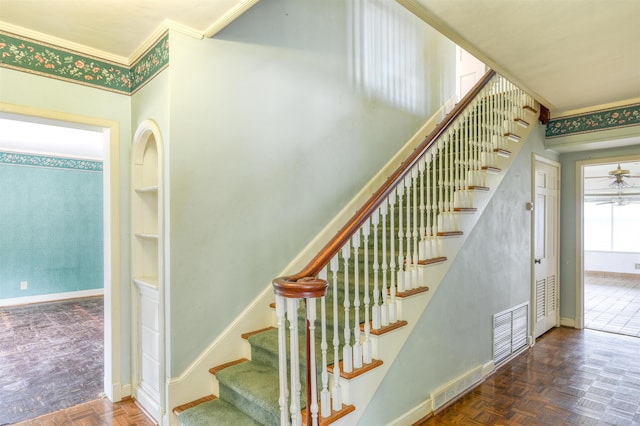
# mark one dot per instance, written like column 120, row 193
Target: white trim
column 568, row 322
column 229, row 17
column 580, row 165
column 146, row 130
column 418, row 412
column 111, row 209
column 158, row 33
column 52, row 297
column 594, row 109
column 65, row 44
column 425, row 408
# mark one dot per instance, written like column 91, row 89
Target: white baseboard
column 425, row 408
column 420, row 411
column 15, row 301
column 568, row 322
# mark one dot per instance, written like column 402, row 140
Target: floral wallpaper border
column 23, row 54
column 18, row 159
column 601, row 120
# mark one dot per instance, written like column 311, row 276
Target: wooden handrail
column 325, row 255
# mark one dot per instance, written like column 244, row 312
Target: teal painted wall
column 275, row 124
column 52, row 234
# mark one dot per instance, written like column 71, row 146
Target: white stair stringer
column 360, row 390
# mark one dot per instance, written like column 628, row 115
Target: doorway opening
column 106, row 133
column 611, row 245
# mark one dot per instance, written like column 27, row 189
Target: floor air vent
column 510, row 330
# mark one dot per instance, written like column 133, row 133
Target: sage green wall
column 43, row 93
column 272, row 132
column 568, row 218
column 491, row 273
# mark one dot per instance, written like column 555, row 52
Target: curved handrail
column 325, row 255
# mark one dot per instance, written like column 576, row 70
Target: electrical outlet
column 23, row 285
column 637, row 265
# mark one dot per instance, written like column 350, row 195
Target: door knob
column 538, row 260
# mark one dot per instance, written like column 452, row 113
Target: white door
column 468, row 71
column 545, row 296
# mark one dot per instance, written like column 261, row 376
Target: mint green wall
column 568, row 208
column 491, row 273
column 273, row 130
column 43, row 93
column 51, row 221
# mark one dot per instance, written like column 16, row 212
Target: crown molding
column 158, row 33
column 229, row 17
column 592, row 109
column 65, row 44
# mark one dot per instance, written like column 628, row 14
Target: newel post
column 287, row 289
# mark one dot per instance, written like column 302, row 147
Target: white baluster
column 347, row 350
column 400, row 275
column 375, row 312
column 434, row 203
column 423, row 210
column 325, row 395
column 415, row 235
column 366, row 346
column 294, row 356
column 391, row 304
column 336, row 391
column 311, row 318
column 384, row 309
column 357, row 346
column 281, row 308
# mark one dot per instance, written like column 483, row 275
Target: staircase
column 359, row 298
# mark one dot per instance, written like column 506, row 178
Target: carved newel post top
column 307, row 287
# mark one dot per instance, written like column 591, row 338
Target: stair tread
column 253, row 386
column 215, row 370
column 181, row 408
column 215, row 412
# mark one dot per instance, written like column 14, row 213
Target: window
column 611, row 227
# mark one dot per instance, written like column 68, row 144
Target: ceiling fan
column 619, row 174
column 620, row 201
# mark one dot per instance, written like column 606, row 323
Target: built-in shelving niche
column 146, row 272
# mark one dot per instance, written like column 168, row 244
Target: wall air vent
column 510, row 330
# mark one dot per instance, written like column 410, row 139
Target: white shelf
column 146, row 281
column 147, row 236
column 153, row 188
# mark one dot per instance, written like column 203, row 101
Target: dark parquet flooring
column 570, row 377
column 51, row 357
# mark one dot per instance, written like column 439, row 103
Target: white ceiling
column 51, row 138
column 116, row 29
column 572, row 55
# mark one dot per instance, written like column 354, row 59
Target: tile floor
column 51, row 357
column 612, row 304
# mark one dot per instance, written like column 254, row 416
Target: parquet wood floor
column 95, row 413
column 570, row 377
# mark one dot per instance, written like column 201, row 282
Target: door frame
column 580, row 165
column 534, row 159
column 113, row 389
